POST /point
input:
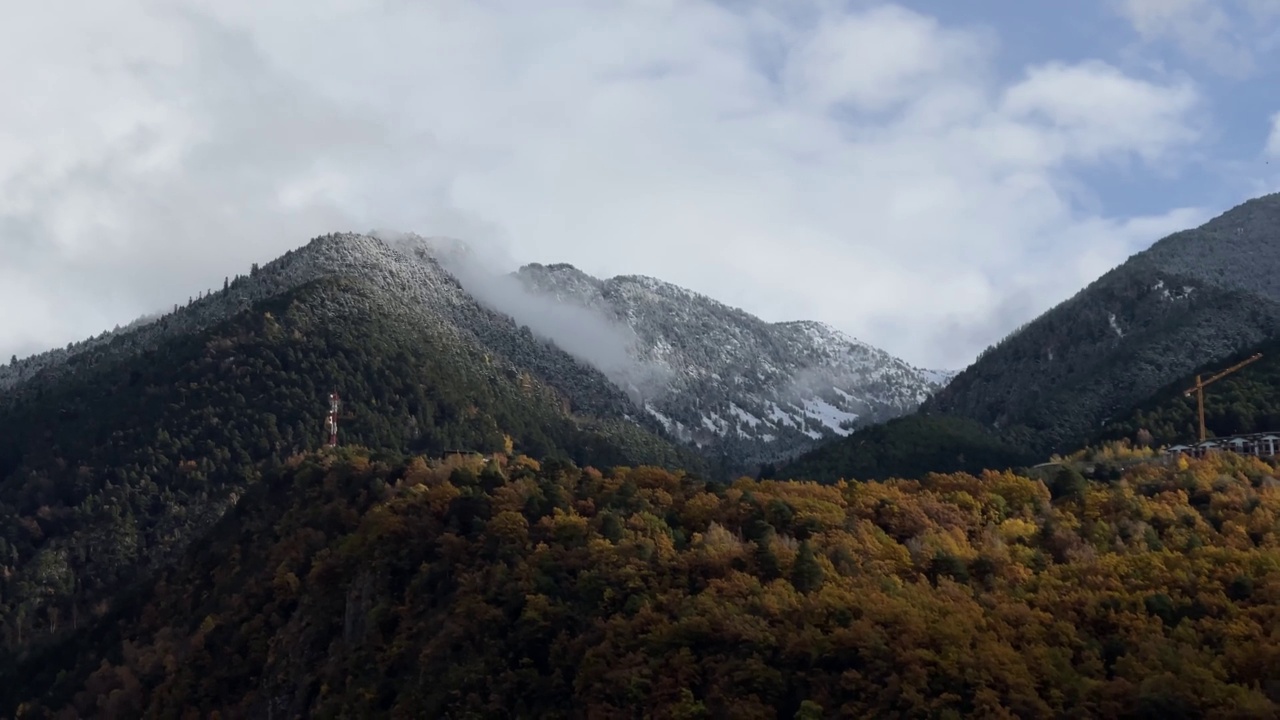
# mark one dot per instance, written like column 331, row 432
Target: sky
column 924, row 175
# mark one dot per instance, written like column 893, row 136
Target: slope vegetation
column 345, row 587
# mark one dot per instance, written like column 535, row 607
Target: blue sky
column 925, row 176
column 1237, row 71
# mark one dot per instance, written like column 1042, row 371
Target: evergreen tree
column 1068, row 483
column 806, row 573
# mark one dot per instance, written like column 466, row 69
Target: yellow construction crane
column 1198, row 388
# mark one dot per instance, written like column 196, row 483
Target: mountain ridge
column 1192, row 298
column 732, row 382
column 818, row 382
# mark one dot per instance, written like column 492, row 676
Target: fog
column 589, row 334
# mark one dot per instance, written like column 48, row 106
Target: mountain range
column 714, row 377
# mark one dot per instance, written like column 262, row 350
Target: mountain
column 343, row 586
column 729, row 382
column 401, row 280
column 116, row 451
column 119, row 451
column 740, row 390
column 1190, row 301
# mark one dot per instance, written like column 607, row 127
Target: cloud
column 1272, row 148
column 868, row 166
column 584, row 332
column 1076, row 102
column 1228, row 35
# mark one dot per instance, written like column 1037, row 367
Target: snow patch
column 1111, row 318
column 829, row 415
column 744, row 416
column 938, row 377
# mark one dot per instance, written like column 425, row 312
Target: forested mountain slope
column 1193, row 298
column 113, row 460
column 1190, row 303
column 1246, row 401
column 340, row 587
column 908, row 447
column 732, row 383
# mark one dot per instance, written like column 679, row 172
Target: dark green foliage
column 1246, row 401
column 1068, row 483
column 909, row 447
column 1241, row 588
column 806, row 574
column 948, row 566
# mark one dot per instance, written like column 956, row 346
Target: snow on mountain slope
column 717, row 376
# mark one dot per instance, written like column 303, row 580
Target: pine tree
column 1068, row 483
column 806, row 573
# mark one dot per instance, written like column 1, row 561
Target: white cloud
column 1094, row 110
column 1228, row 35
column 864, row 167
column 1272, row 148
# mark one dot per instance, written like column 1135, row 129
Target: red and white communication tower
column 334, row 404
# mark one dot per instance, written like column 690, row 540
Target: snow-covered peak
column 734, row 380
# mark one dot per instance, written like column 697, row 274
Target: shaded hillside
column 1246, row 401
column 909, row 447
column 341, row 587
column 108, row 469
column 1194, row 298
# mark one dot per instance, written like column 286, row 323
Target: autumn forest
column 341, row 587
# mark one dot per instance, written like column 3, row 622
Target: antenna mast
column 334, row 404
